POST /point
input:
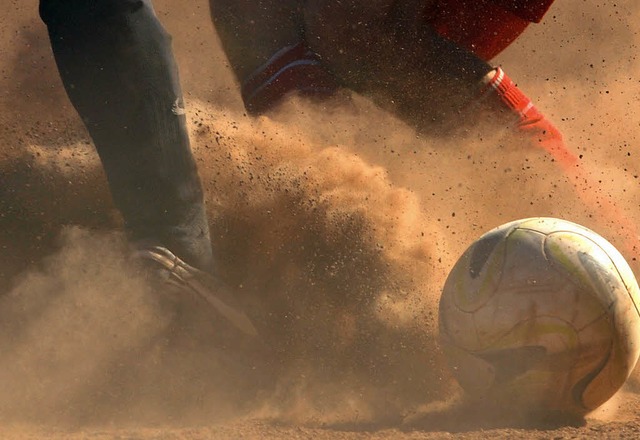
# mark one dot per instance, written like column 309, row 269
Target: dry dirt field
column 336, row 223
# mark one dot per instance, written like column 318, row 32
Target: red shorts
column 486, row 27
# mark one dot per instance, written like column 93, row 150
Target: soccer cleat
column 175, row 272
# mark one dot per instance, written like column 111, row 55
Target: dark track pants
column 117, row 66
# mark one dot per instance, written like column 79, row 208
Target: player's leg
column 388, row 50
column 117, row 66
column 264, row 42
column 251, row 31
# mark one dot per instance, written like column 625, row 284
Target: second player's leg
column 388, row 50
column 251, row 31
column 264, row 42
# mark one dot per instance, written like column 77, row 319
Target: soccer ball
column 541, row 315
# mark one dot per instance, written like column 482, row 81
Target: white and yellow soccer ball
column 541, row 314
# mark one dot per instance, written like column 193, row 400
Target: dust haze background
column 337, row 224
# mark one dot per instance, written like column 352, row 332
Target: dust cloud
column 335, row 222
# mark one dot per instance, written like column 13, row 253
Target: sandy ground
column 318, row 214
